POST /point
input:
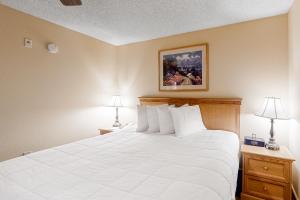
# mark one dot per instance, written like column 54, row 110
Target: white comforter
column 127, row 165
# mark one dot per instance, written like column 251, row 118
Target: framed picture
column 184, row 69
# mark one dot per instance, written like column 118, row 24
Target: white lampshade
column 272, row 109
column 116, row 101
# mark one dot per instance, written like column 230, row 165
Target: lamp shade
column 116, row 101
column 272, row 109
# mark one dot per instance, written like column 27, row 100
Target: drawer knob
column 265, row 188
column 266, row 168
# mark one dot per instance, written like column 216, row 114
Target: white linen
column 152, row 117
column 127, row 165
column 142, row 121
column 166, row 125
column 187, row 120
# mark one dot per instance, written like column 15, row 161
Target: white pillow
column 165, row 120
column 152, row 117
column 142, row 121
column 187, row 120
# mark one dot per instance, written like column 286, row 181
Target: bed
column 128, row 165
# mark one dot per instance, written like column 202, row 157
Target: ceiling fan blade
column 71, row 2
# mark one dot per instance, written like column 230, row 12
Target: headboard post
column 217, row 113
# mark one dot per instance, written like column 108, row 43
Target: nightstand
column 267, row 174
column 104, row 131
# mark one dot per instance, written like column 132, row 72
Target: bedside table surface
column 283, row 153
column 109, row 129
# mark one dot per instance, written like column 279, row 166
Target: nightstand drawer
column 266, row 189
column 248, row 197
column 267, row 167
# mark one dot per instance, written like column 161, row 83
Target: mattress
column 126, row 165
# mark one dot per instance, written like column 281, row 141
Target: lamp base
column 272, row 145
column 117, row 124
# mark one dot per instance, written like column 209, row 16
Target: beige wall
column 50, row 99
column 247, row 60
column 294, row 63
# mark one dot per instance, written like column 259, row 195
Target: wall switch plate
column 27, row 43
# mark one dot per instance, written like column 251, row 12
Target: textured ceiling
column 126, row 21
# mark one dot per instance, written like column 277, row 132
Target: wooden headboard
column 217, row 113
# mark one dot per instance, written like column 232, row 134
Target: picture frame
column 184, row 68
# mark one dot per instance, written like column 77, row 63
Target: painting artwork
column 184, row 69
